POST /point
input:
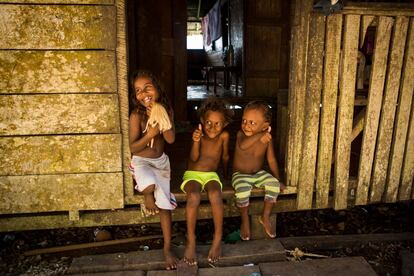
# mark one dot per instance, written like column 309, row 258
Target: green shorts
column 201, row 177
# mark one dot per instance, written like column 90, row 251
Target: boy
column 210, row 142
column 253, row 144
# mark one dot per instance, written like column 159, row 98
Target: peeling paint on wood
column 57, row 71
column 59, row 114
column 57, row 27
column 47, row 193
column 60, row 154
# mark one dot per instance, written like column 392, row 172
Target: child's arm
column 271, row 160
column 225, row 156
column 137, row 142
column 247, row 142
column 195, row 148
column 169, row 135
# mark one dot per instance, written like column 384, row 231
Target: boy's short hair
column 262, row 106
column 215, row 104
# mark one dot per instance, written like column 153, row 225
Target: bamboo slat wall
column 60, row 130
column 325, row 150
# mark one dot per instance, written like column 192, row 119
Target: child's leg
column 214, row 196
column 192, row 190
column 265, row 219
column 245, row 223
column 165, row 219
column 149, row 200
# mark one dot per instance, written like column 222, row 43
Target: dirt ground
column 383, row 257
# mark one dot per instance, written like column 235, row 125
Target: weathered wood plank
column 379, row 9
column 345, row 109
column 376, row 88
column 328, row 110
column 297, row 86
column 401, row 120
column 358, row 124
column 57, row 27
column 57, row 71
column 122, row 77
column 60, row 192
column 307, row 170
column 329, row 266
column 77, row 2
column 58, row 114
column 60, row 154
column 407, row 176
column 380, row 166
column 365, row 22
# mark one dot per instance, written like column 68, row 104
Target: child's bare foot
column 170, row 260
column 190, row 256
column 215, row 252
column 149, row 204
column 245, row 231
column 267, row 226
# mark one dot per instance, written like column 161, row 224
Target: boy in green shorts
column 210, row 144
column 253, row 144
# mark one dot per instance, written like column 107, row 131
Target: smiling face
column 253, row 122
column 213, row 123
column 145, row 91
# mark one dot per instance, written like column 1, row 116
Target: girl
column 150, row 165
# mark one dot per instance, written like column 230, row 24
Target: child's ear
column 265, row 126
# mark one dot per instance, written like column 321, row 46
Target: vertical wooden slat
column 312, row 109
column 122, row 75
column 297, row 91
column 379, row 175
column 376, row 88
column 408, row 165
column 328, row 111
column 401, row 125
column 345, row 109
column 365, row 22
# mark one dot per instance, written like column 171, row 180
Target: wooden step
column 233, row 255
column 217, row 271
column 320, row 267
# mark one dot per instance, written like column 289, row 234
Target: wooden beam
column 345, row 109
column 376, row 88
column 406, row 186
column 389, row 105
column 401, row 120
column 380, row 9
column 328, row 110
column 307, row 169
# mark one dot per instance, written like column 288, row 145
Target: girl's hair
column 262, row 106
column 162, row 95
column 216, row 104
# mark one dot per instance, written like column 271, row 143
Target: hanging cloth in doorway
column 211, row 24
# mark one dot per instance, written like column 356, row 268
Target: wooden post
column 345, row 109
column 312, row 108
column 406, row 185
column 386, row 125
column 328, row 110
column 376, row 88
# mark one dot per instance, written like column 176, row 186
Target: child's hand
column 153, row 131
column 197, row 134
column 148, row 109
column 267, row 137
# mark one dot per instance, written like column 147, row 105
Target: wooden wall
column 325, row 117
column 60, row 129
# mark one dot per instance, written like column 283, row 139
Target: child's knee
column 193, row 198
